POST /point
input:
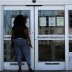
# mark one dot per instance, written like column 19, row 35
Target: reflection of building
column 8, row 23
column 52, row 51
column 7, row 51
column 50, row 29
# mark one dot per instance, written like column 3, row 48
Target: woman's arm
column 28, row 37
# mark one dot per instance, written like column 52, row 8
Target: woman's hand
column 30, row 45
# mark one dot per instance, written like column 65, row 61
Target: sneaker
column 30, row 70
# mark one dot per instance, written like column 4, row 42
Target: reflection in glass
column 9, row 16
column 51, row 22
column 70, row 45
column 70, row 21
column 10, row 53
column 51, row 50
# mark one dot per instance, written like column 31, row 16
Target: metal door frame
column 7, row 65
column 41, row 65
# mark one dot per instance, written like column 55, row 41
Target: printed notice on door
column 60, row 21
column 12, row 21
column 42, row 21
column 27, row 23
column 51, row 21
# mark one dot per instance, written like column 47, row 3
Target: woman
column 21, row 40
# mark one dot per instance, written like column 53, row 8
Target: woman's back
column 19, row 32
column 19, row 26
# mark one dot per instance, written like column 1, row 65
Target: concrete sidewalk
column 42, row 71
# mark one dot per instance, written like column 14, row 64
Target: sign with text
column 60, row 21
column 42, row 21
column 52, row 21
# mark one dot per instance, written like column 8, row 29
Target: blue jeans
column 21, row 45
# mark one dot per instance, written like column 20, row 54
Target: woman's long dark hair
column 20, row 21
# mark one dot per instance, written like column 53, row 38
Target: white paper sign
column 42, row 21
column 51, row 21
column 27, row 23
column 12, row 22
column 60, row 21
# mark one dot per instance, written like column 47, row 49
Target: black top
column 19, row 32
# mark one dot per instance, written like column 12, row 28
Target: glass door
column 68, row 9
column 49, row 38
column 10, row 60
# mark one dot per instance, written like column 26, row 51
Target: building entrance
column 47, row 32
column 10, row 60
column 50, row 38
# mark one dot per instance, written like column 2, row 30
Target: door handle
column 52, row 63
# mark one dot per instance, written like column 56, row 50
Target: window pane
column 70, row 45
column 51, row 22
column 51, row 50
column 9, row 16
column 70, row 21
column 10, row 53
